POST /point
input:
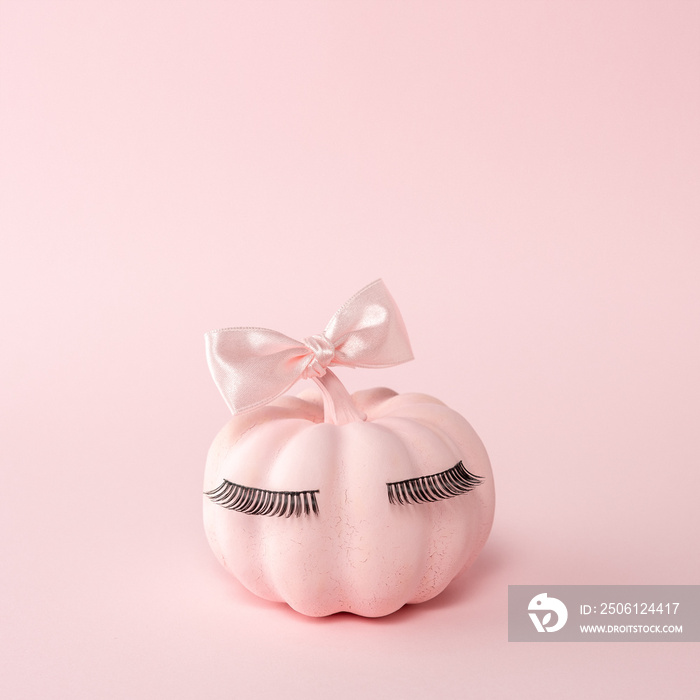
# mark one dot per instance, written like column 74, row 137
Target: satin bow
column 253, row 366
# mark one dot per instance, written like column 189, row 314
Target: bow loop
column 253, row 366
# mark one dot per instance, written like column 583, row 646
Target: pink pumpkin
column 337, row 503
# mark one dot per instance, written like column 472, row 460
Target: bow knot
column 324, row 352
column 253, row 366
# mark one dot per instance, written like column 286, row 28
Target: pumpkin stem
column 338, row 406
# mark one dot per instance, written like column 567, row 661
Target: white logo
column 542, row 602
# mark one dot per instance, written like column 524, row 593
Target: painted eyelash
column 428, row 489
column 252, row 501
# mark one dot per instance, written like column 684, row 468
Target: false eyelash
column 428, row 489
column 252, row 501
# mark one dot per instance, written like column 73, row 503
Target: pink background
column 523, row 175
